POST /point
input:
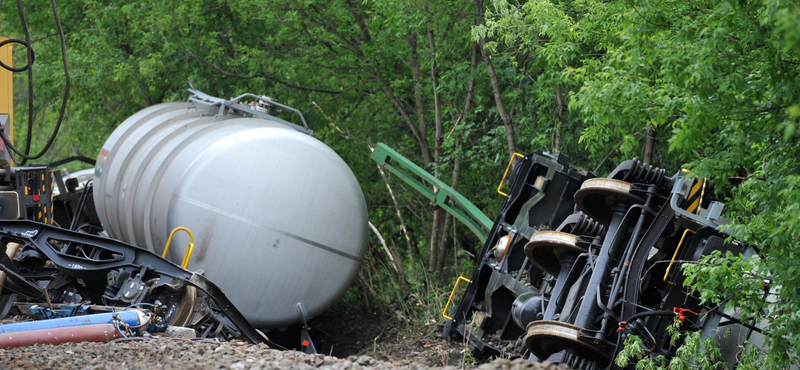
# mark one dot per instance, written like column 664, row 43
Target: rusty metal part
column 547, row 248
column 502, row 246
column 184, row 314
column 545, row 338
column 597, row 196
column 76, row 334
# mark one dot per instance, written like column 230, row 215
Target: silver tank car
column 279, row 220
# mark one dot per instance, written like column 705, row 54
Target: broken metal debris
column 76, row 268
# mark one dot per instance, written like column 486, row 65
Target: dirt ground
column 354, row 333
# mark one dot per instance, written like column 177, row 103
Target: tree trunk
column 560, row 113
column 433, row 260
column 456, row 161
column 394, row 258
column 420, row 137
column 401, row 272
column 418, row 133
column 437, row 108
column 448, row 223
column 363, row 289
column 376, row 298
column 442, row 259
column 422, row 127
column 498, row 98
column 647, row 156
column 436, row 236
column 470, row 89
column 456, row 246
column 403, row 227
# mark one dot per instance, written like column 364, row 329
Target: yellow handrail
column 503, row 181
column 677, row 249
column 444, row 313
column 702, row 195
column 188, row 255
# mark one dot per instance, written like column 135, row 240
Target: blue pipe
column 131, row 317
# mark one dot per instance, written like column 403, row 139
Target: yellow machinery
column 7, row 86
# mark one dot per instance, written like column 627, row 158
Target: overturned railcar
column 277, row 218
column 574, row 263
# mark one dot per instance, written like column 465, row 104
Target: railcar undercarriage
column 573, row 264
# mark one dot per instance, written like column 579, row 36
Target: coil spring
column 578, row 362
column 586, row 226
column 641, row 173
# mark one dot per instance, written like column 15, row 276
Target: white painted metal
column 279, row 220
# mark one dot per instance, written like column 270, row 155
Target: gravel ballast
column 171, row 354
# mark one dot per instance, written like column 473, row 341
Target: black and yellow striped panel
column 695, row 197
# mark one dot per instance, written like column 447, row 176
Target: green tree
column 716, row 82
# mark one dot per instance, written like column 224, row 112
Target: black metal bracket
column 98, row 256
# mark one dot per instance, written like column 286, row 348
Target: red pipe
column 75, row 334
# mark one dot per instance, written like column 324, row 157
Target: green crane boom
column 460, row 207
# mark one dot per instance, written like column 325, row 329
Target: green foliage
column 716, row 81
column 696, row 352
column 735, row 275
column 633, row 350
column 468, row 359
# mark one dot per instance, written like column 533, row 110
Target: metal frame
column 493, row 288
column 197, row 96
column 613, row 289
column 37, row 236
column 422, row 181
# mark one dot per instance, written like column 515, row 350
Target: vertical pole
column 7, row 93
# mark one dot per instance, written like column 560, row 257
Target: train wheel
column 596, row 197
column 545, row 338
column 547, row 249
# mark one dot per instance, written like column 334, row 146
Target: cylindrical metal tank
column 279, row 220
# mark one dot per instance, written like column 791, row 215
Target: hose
column 27, row 64
column 604, row 308
column 119, row 330
column 81, row 203
column 135, row 339
column 139, row 304
column 131, row 339
column 10, row 148
column 146, row 321
column 647, row 314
